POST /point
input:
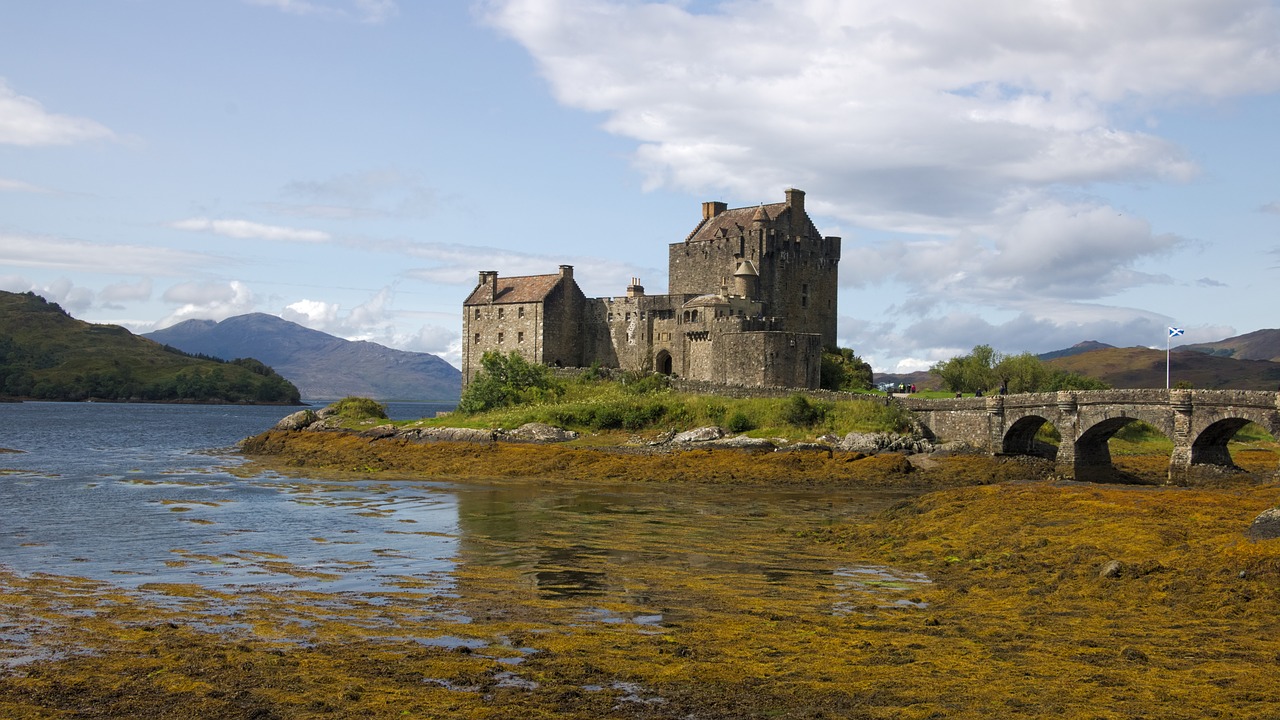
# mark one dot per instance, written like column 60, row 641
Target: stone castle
column 752, row 302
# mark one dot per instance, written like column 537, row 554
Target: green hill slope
column 45, row 354
column 1138, row 367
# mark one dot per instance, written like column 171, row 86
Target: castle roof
column 516, row 289
column 733, row 222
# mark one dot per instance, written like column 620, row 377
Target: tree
column 843, row 370
column 985, row 369
column 969, row 373
column 505, row 380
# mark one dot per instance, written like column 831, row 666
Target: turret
column 746, row 280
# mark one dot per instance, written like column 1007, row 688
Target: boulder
column 538, row 433
column 448, row 434
column 703, row 434
column 742, row 442
column 1111, row 569
column 297, row 421
column 871, row 443
column 379, row 432
column 1266, row 526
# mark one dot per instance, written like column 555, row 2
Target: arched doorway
column 662, row 362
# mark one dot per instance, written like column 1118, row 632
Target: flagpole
column 1168, row 338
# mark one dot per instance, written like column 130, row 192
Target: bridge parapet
column 1200, row 423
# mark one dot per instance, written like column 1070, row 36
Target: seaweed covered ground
column 961, row 588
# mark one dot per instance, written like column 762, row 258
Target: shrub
column 740, row 423
column 799, row 411
column 506, row 380
column 359, row 408
column 716, row 412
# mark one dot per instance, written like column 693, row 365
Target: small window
column 520, row 311
column 499, row 338
column 477, row 338
column 499, row 313
column 520, row 337
column 477, row 313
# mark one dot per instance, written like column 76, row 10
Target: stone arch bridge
column 1200, row 422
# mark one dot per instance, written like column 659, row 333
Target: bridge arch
column 1020, row 437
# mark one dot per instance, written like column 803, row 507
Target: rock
column 1266, row 526
column 704, row 434
column 872, row 443
column 808, row 446
column 447, row 434
column 381, row 431
column 1133, row 654
column 1112, row 569
column 538, row 433
column 742, row 442
column 297, row 421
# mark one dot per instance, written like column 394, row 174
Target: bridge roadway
column 1200, row 422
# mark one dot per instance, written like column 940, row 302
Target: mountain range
column 323, row 366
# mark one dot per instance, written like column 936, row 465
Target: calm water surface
column 136, row 494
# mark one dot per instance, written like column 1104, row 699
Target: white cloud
column 24, row 121
column 454, row 264
column 367, row 11
column 378, row 193
column 72, row 298
column 7, row 185
column 124, row 292
column 247, row 230
column 207, row 301
column 79, row 256
column 969, row 136
column 930, row 109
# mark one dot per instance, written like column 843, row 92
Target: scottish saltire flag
column 1175, row 332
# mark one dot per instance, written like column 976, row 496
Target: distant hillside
column 1078, row 348
column 1138, row 367
column 46, row 354
column 321, row 365
column 1257, row 345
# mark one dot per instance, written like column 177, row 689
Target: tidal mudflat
column 972, row 589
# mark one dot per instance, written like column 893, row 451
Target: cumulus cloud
column 24, row 121
column 968, row 139
column 366, row 11
column 932, row 109
column 126, row 292
column 80, row 256
column 207, row 301
column 247, row 230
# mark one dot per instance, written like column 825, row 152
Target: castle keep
column 752, row 302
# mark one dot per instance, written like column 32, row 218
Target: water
column 140, row 494
column 144, row 495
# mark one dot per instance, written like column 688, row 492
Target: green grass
column 602, row 405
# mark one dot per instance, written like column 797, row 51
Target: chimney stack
column 489, row 278
column 712, row 209
column 795, row 200
column 566, row 271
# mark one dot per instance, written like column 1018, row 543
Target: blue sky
column 1023, row 174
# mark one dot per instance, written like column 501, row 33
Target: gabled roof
column 516, row 289
column 733, row 222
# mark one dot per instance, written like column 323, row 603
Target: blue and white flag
column 1175, row 332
